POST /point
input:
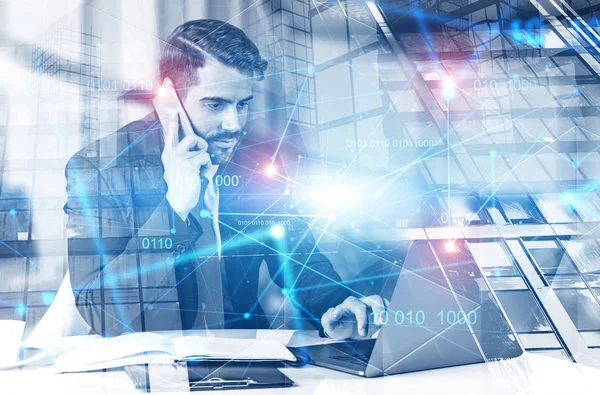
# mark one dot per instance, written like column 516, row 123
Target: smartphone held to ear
column 167, row 100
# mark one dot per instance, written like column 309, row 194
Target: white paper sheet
column 116, row 351
column 198, row 347
column 11, row 332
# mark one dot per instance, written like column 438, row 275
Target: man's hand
column 182, row 166
column 354, row 318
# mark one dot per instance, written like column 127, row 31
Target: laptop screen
column 483, row 313
column 442, row 313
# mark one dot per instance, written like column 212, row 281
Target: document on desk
column 214, row 348
column 154, row 348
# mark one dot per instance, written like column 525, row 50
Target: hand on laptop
column 354, row 318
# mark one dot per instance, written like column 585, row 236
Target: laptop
column 441, row 314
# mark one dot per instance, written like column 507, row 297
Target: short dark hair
column 186, row 49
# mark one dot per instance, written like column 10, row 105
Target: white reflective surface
column 528, row 374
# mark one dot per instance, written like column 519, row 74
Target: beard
column 221, row 153
column 220, row 157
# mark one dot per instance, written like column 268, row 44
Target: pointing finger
column 359, row 310
column 377, row 305
column 386, row 302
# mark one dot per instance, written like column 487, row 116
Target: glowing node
column 271, row 170
column 277, row 231
column 332, row 217
column 204, row 213
column 569, row 197
column 448, row 91
column 287, row 191
column 378, row 192
column 48, row 297
column 150, row 307
column 162, row 90
column 246, row 316
column 450, row 246
column 335, row 197
column 284, row 291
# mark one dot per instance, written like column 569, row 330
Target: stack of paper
column 214, row 348
column 153, row 348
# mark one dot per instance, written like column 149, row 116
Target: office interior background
column 474, row 122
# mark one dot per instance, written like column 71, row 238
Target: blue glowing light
column 277, row 231
column 527, row 33
column 570, row 198
column 48, row 297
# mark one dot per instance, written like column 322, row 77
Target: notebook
column 154, row 348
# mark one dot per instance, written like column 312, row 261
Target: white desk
column 528, row 374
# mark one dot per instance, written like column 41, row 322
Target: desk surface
column 528, row 374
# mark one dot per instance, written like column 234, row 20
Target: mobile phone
column 166, row 100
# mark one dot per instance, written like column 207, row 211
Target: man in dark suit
column 169, row 233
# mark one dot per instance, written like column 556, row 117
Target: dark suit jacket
column 120, row 239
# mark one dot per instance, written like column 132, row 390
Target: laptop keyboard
column 364, row 358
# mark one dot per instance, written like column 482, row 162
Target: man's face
column 218, row 107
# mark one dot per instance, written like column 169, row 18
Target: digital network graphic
column 472, row 127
